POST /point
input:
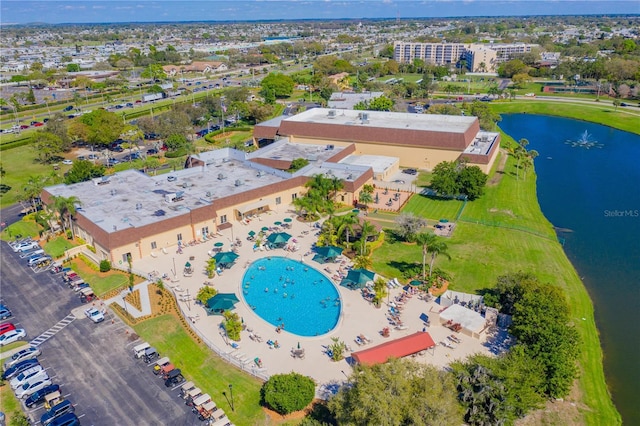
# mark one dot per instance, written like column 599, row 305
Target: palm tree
column 435, row 248
column 518, row 152
column 528, row 161
column 366, row 229
column 346, row 226
column 425, row 239
column 379, row 290
column 33, row 189
column 365, row 198
column 362, row 262
column 66, row 208
column 336, row 185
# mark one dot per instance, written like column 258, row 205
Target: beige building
column 131, row 214
column 417, row 140
column 196, row 66
column 490, row 54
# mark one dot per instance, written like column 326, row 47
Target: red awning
column 398, row 348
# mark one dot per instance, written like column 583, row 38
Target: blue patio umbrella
column 252, row 233
column 222, row 302
column 287, row 219
column 329, row 252
column 225, row 258
column 357, row 278
column 278, row 238
column 218, row 244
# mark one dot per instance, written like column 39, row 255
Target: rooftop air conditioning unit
column 170, row 198
column 208, row 194
column 260, row 173
column 138, row 206
column 221, row 176
column 365, row 116
column 225, row 160
column 238, row 182
column 332, row 113
column 484, row 138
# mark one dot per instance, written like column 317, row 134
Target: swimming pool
column 285, row 291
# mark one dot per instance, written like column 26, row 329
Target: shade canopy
column 252, row 233
column 265, row 228
column 278, row 238
column 187, row 265
column 222, row 302
column 287, row 219
column 357, row 278
column 224, row 258
column 329, row 252
column 320, row 259
column 277, row 223
column 218, row 244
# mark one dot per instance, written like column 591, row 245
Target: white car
column 12, row 336
column 28, row 388
column 27, row 374
column 25, row 354
column 94, row 315
column 26, row 246
column 67, row 162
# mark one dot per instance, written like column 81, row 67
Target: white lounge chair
column 154, row 254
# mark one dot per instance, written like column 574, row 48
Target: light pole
column 233, row 408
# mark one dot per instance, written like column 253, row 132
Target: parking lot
column 92, row 363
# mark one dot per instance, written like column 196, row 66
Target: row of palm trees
column 521, row 154
column 431, row 245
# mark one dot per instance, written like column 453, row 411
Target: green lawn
column 602, row 113
column 56, row 247
column 424, row 178
column 8, row 402
column 208, row 371
column 100, row 282
column 433, row 208
column 24, row 228
column 523, row 241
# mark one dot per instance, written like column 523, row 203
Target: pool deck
column 358, row 317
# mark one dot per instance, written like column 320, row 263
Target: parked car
column 67, row 162
column 399, row 181
column 4, row 312
column 6, row 327
column 172, row 178
column 38, row 260
column 57, row 411
column 68, row 419
column 38, row 397
column 31, row 387
column 12, row 336
column 26, row 354
column 27, row 374
column 150, row 354
column 410, row 171
column 68, row 108
column 94, row 315
column 152, row 151
column 19, row 368
column 174, row 378
column 26, row 246
column 38, row 124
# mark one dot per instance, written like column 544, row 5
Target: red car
column 7, row 326
column 24, row 126
column 38, row 124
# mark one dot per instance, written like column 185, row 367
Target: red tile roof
column 398, row 348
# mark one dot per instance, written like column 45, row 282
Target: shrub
column 105, row 265
column 286, row 393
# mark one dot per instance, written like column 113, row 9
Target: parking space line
column 176, row 387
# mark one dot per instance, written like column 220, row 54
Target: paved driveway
column 92, row 362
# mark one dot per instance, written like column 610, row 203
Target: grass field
column 24, row 228
column 518, row 239
column 101, row 282
column 433, row 208
column 9, row 404
column 56, row 247
column 602, row 113
column 211, row 373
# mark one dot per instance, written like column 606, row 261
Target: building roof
column 389, row 128
column 468, row 319
column 131, row 199
column 347, row 100
column 398, row 348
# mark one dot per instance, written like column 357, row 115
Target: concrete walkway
column 143, row 287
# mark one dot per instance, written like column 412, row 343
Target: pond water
column 588, row 178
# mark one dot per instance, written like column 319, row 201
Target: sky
column 106, row 11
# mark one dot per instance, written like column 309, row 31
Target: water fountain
column 584, row 142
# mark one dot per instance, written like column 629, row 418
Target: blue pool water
column 285, row 291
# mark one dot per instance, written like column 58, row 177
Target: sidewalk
column 128, row 307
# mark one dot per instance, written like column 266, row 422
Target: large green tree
column 46, row 145
column 278, row 85
column 286, row 393
column 399, row 392
column 103, row 127
column 83, row 170
column 472, row 181
column 445, row 178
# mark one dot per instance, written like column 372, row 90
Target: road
column 92, row 363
